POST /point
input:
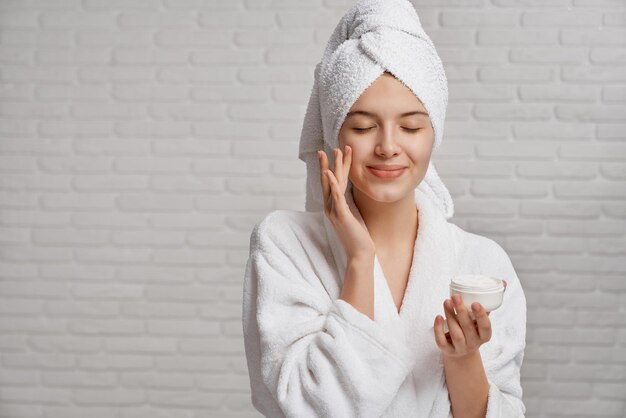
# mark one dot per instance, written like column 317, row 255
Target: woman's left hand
column 465, row 335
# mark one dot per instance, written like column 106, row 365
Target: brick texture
column 140, row 141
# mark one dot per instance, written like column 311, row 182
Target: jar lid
column 476, row 283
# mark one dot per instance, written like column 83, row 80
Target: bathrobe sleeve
column 313, row 355
column 503, row 354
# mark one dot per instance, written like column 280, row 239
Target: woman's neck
column 391, row 225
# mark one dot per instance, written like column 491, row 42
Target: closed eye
column 367, row 129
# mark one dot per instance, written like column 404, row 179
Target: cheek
column 357, row 149
column 420, row 149
column 359, row 155
column 344, row 136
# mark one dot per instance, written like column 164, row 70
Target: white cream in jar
column 486, row 290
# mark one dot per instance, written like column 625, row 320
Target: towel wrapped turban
column 373, row 37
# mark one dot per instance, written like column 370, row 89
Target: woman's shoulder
column 294, row 244
column 288, row 229
column 477, row 248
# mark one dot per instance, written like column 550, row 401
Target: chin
column 387, row 193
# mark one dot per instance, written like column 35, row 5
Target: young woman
column 344, row 306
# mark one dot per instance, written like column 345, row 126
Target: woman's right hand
column 355, row 239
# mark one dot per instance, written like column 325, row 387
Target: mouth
column 387, row 173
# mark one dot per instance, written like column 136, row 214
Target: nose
column 386, row 144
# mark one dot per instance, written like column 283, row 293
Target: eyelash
column 367, row 129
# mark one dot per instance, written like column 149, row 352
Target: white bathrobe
column 311, row 354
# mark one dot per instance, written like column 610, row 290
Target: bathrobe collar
column 434, row 263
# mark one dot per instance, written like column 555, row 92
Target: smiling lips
column 387, row 171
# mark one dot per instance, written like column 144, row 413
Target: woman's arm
column 498, row 362
column 310, row 355
column 467, row 400
column 358, row 285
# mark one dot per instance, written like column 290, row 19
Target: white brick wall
column 140, row 140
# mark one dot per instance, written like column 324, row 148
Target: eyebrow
column 365, row 113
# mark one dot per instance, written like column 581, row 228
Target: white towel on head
column 374, row 36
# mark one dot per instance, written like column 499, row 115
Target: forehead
column 388, row 95
column 373, row 114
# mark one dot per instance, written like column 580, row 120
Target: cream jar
column 486, row 290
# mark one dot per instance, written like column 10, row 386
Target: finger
column 347, row 161
column 329, row 206
column 334, row 186
column 464, row 319
column 323, row 167
column 440, row 338
column 338, row 166
column 483, row 325
column 324, row 179
column 456, row 332
column 339, row 200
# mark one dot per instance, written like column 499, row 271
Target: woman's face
column 381, row 132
